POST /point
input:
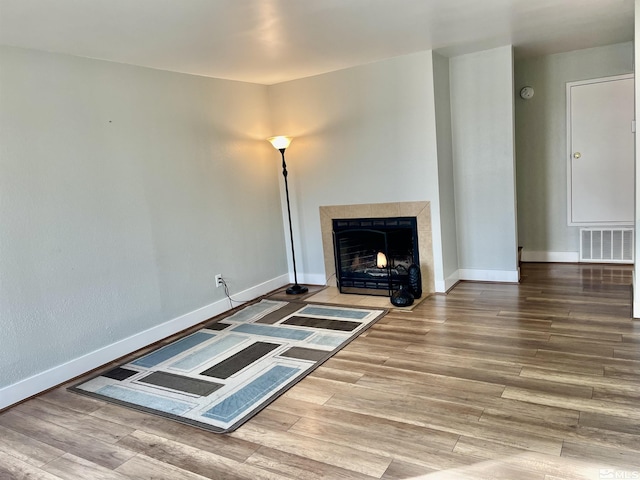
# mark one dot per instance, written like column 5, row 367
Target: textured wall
column 636, row 287
column 363, row 135
column 446, row 185
column 483, row 159
column 123, row 191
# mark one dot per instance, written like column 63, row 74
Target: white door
column 601, row 151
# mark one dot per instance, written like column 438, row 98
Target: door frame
column 612, row 78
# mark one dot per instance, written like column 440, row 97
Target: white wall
column 123, row 191
column 484, row 164
column 448, row 243
column 541, row 145
column 362, row 135
column 636, row 271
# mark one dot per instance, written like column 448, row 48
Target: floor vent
column 613, row 245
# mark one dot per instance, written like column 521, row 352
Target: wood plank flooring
column 539, row 380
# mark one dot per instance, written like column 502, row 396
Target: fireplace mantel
column 420, row 210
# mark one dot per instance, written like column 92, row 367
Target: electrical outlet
column 218, row 280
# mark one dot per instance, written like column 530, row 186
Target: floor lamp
column 281, row 144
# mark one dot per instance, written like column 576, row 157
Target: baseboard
column 635, row 314
column 443, row 286
column 550, row 257
column 505, row 276
column 311, row 279
column 63, row 373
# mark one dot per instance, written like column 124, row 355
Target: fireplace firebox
column 373, row 255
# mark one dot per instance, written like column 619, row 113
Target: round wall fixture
column 526, row 93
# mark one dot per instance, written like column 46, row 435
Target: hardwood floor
column 539, row 380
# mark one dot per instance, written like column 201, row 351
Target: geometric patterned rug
column 218, row 377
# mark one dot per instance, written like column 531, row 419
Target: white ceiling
column 270, row 41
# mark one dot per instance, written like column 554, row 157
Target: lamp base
column 297, row 289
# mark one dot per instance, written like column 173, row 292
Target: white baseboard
column 506, row 276
column 550, row 257
column 62, row 373
column 310, row 279
column 636, row 298
column 443, row 286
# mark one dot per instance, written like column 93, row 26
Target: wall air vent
column 609, row 245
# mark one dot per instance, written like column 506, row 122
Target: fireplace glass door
column 373, row 255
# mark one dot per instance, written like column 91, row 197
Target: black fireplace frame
column 379, row 281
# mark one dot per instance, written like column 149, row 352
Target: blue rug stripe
column 246, row 397
column 208, row 352
column 268, row 331
column 173, row 349
column 334, row 312
column 252, row 311
column 147, row 400
column 328, row 340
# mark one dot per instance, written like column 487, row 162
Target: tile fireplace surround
column 420, row 210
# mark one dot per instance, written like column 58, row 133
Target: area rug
column 218, row 377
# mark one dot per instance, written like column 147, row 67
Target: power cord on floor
column 229, row 297
column 326, row 284
column 241, row 302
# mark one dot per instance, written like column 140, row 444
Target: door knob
column 577, row 155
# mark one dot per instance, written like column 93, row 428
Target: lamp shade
column 280, row 142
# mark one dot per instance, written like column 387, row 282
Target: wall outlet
column 218, row 280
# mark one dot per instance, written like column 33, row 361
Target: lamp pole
column 281, row 144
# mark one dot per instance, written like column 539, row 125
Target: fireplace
column 419, row 209
column 373, row 255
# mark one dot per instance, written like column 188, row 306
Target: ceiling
column 270, row 41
